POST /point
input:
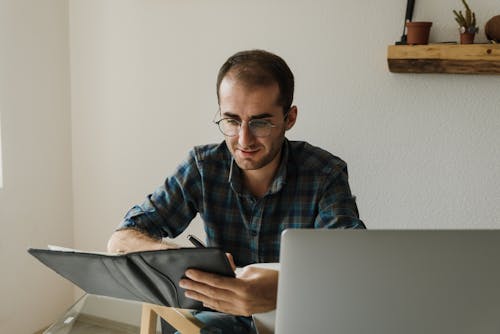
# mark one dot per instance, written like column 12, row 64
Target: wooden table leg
column 148, row 320
column 180, row 319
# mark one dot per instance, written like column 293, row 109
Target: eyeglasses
column 258, row 127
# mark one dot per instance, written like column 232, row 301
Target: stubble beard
column 249, row 164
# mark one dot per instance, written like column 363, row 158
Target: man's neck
column 258, row 181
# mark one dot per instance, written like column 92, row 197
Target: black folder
column 147, row 276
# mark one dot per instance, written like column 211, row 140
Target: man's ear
column 291, row 118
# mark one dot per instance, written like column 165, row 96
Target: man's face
column 242, row 103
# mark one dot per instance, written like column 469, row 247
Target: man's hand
column 252, row 291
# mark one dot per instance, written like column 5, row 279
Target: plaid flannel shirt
column 310, row 190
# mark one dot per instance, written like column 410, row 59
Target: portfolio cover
column 147, row 276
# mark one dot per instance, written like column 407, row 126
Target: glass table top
column 92, row 314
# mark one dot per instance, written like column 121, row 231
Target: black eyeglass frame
column 269, row 124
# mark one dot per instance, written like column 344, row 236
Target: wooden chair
column 181, row 319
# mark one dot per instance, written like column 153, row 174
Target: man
column 247, row 190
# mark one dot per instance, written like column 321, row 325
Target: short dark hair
column 260, row 68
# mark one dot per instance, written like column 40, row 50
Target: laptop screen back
column 389, row 282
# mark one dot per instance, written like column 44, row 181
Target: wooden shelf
column 445, row 58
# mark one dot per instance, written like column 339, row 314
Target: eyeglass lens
column 258, row 128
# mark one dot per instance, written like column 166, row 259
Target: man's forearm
column 130, row 240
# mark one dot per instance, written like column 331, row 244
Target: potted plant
column 418, row 32
column 467, row 24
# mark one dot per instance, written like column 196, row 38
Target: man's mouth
column 247, row 151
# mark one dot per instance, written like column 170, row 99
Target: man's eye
column 259, row 124
column 232, row 122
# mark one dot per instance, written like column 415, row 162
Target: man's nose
column 245, row 136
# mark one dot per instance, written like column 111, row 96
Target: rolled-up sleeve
column 337, row 206
column 171, row 207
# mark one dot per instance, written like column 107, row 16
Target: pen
column 195, row 241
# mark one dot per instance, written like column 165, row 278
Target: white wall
column 36, row 200
column 423, row 150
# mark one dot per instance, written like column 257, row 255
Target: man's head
column 255, row 93
column 259, row 68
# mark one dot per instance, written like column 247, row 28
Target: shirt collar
column 235, row 178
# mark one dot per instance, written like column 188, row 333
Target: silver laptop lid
column 389, row 282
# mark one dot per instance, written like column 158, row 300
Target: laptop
column 389, row 282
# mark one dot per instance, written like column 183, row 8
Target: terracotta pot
column 418, row 32
column 467, row 37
